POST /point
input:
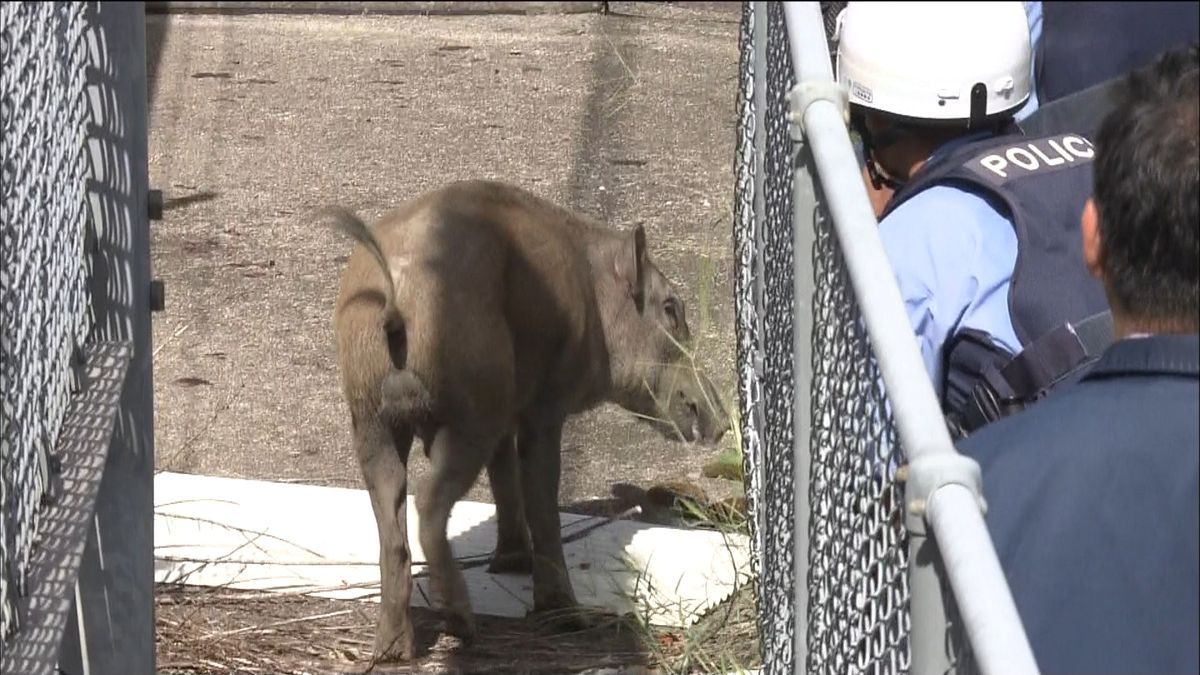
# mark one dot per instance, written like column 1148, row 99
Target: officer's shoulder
column 948, row 206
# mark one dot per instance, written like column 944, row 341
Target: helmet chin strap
column 888, row 137
column 978, row 106
column 879, row 179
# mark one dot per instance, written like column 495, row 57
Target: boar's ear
column 630, row 265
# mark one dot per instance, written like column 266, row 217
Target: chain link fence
column 75, row 371
column 763, row 252
column 43, row 270
column 856, row 619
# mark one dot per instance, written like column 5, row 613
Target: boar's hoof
column 511, row 562
column 461, row 626
column 394, row 646
column 571, row 619
column 559, row 611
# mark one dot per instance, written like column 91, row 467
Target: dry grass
column 724, row 641
column 221, row 631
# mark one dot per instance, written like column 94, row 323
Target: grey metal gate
column 76, row 433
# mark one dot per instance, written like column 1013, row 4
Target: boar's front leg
column 512, row 536
column 538, row 444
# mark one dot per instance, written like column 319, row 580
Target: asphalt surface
column 256, row 121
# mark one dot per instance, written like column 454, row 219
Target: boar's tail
column 353, row 226
column 405, row 398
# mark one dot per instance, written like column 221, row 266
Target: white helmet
column 951, row 61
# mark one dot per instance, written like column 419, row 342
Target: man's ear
column 1093, row 242
column 630, row 265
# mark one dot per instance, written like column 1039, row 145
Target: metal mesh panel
column 857, row 568
column 764, row 313
column 858, row 555
column 748, row 293
column 43, row 272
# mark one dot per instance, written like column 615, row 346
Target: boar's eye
column 671, row 309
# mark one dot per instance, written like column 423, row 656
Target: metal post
column 913, row 400
column 804, row 226
column 759, row 31
column 112, row 630
column 998, row 643
column 935, row 466
column 928, row 638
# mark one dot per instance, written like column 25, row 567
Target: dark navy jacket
column 1093, row 507
column 1086, row 43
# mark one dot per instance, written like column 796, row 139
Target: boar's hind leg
column 513, row 555
column 539, row 444
column 383, row 457
column 455, row 462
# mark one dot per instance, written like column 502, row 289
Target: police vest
column 1044, row 183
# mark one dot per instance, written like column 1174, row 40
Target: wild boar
column 478, row 317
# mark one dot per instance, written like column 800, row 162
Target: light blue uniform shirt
column 953, row 254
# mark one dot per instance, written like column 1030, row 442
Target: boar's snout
column 689, row 407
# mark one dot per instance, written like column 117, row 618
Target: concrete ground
column 259, row 120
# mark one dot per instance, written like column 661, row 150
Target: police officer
column 982, row 228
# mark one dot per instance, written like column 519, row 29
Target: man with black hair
column 981, row 225
column 1093, row 499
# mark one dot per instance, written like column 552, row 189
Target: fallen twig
column 187, row 444
column 225, row 559
column 276, row 624
column 164, row 343
column 286, row 591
